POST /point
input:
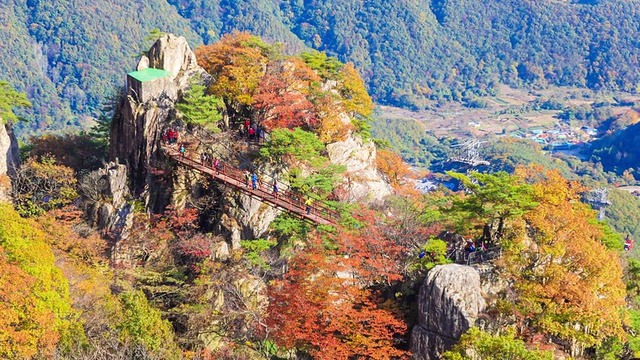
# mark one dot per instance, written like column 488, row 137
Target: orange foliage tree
column 237, row 62
column 35, row 308
column 325, row 305
column 570, row 285
column 279, row 106
column 392, row 167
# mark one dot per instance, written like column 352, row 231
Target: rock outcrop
column 137, row 128
column 362, row 181
column 449, row 304
column 106, row 192
column 246, row 218
column 9, row 159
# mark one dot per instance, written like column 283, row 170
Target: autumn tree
column 325, row 304
column 278, row 104
column 569, row 283
column 392, row 167
column 348, row 95
column 80, row 152
column 237, row 62
column 40, row 185
column 477, row 344
column 35, row 311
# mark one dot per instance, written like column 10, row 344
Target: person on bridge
column 247, row 177
column 254, row 181
column 170, row 136
column 308, row 205
column 182, row 150
column 275, row 189
column 165, row 137
column 216, row 165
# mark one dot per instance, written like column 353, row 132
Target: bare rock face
column 251, row 218
column 361, row 181
column 137, row 129
column 449, row 304
column 105, row 191
column 9, row 159
column 172, row 53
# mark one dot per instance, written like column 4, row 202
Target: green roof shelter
column 149, row 83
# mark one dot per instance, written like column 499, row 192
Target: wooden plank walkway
column 286, row 199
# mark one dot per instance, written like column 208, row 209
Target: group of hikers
column 471, row 247
column 170, row 137
column 253, row 180
column 207, row 159
column 252, row 131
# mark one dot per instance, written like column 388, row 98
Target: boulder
column 449, row 304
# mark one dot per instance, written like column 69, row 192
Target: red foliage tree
column 277, row 105
column 325, row 306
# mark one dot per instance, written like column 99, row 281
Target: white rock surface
column 361, row 180
column 9, row 159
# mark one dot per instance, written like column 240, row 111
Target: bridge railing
column 288, row 196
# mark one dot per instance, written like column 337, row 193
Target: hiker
column 247, row 177
column 182, row 150
column 628, row 243
column 470, row 247
column 258, row 133
column 252, row 133
column 216, row 165
column 170, row 136
column 254, row 181
column 175, row 136
column 275, row 189
column 308, row 205
column 203, row 158
column 165, row 137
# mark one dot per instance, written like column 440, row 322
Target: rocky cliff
column 149, row 109
column 9, row 159
column 362, row 181
column 138, row 124
column 449, row 304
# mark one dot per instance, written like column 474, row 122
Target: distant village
column 561, row 137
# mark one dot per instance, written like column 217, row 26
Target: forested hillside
column 68, row 55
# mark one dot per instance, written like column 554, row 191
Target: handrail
column 287, row 199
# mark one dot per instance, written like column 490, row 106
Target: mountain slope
column 68, row 54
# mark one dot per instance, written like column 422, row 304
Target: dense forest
column 70, row 55
column 302, row 290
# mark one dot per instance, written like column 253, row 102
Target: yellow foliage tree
column 570, row 285
column 35, row 309
column 237, row 62
column 356, row 99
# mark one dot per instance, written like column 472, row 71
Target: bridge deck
column 287, row 200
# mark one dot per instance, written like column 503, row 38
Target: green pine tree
column 10, row 98
column 201, row 109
